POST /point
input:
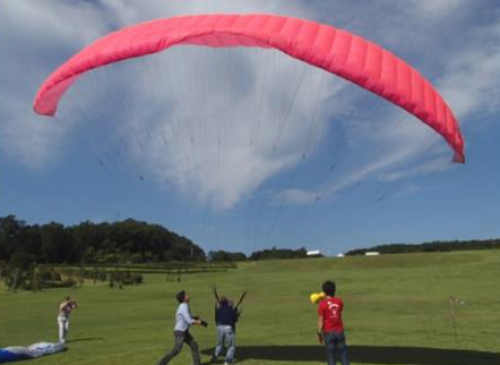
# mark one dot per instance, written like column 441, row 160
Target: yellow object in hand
column 316, row 297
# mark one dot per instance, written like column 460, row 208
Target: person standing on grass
column 183, row 320
column 226, row 317
column 330, row 325
column 65, row 309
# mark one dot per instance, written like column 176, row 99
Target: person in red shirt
column 330, row 326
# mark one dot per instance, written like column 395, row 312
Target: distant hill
column 127, row 241
column 435, row 246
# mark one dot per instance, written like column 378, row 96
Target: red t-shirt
column 330, row 309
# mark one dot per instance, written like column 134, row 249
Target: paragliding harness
column 237, row 308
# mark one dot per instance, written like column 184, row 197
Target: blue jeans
column 225, row 338
column 335, row 341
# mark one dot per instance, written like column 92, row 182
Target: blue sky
column 243, row 149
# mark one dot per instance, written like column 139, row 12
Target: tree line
column 128, row 241
column 266, row 254
column 435, row 246
column 136, row 242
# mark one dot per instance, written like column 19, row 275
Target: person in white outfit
column 65, row 309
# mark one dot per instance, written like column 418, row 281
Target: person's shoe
column 213, row 360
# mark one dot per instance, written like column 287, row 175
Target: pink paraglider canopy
column 334, row 50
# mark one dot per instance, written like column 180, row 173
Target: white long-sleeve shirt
column 183, row 318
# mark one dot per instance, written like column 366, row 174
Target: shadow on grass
column 385, row 355
column 86, row 339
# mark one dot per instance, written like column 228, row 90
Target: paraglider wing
column 334, row 50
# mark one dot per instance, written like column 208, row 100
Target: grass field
column 397, row 312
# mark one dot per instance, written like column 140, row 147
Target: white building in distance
column 313, row 253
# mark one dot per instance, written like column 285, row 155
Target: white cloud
column 437, row 8
column 64, row 27
column 429, row 167
column 296, row 196
column 219, row 150
column 471, row 82
column 26, row 141
column 227, row 131
column 33, row 36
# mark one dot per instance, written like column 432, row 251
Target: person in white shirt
column 65, row 309
column 183, row 320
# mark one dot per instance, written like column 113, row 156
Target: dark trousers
column 335, row 344
column 179, row 339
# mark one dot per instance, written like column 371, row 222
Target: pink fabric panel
column 337, row 51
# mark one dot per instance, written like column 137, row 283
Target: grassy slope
column 392, row 300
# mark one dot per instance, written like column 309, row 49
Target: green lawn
column 396, row 312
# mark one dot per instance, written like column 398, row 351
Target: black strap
column 241, row 299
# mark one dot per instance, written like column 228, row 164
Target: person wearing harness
column 65, row 309
column 226, row 316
